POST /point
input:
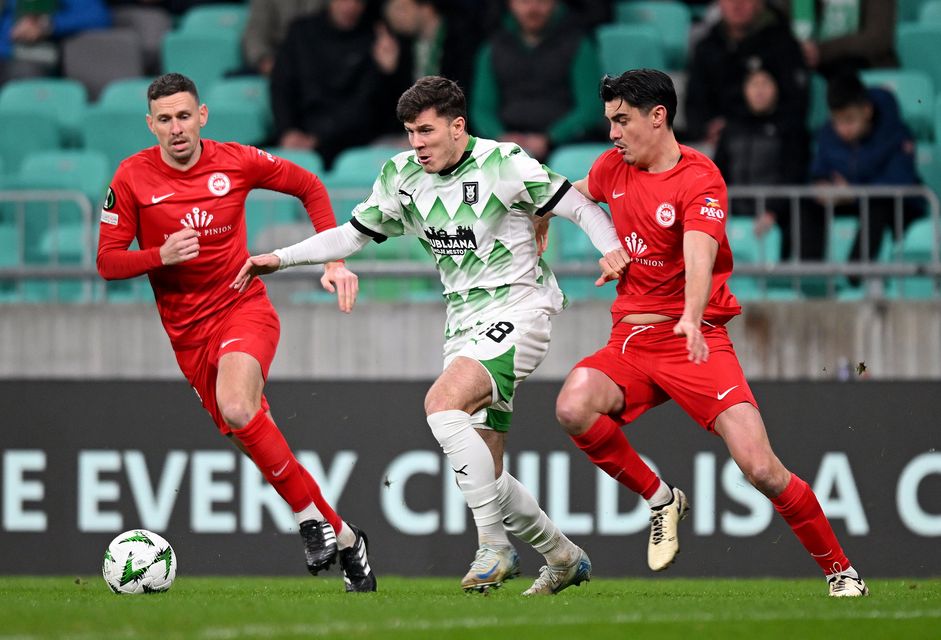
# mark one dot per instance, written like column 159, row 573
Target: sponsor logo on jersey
column 711, row 209
column 666, row 215
column 471, row 194
column 265, row 154
column 200, row 221
column 109, row 217
column 636, row 247
column 451, row 244
column 109, row 199
column 219, row 184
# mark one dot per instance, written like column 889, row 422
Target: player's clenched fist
column 255, row 266
column 613, row 264
column 180, row 247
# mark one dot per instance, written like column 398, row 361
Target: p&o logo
column 711, row 209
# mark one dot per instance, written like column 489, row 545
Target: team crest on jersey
column 451, row 244
column 219, row 184
column 471, row 194
column 666, row 215
column 109, row 199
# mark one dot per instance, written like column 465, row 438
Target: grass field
column 232, row 608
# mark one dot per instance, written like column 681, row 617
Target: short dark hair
column 642, row 89
column 432, row 92
column 168, row 84
column 846, row 90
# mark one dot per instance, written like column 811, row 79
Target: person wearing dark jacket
column 749, row 36
column 331, row 86
column 536, row 80
column 865, row 143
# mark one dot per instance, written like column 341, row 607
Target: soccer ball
column 139, row 561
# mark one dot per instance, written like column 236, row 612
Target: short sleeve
column 706, row 206
column 537, row 187
column 599, row 176
column 380, row 215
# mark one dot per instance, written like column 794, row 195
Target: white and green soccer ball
column 139, row 561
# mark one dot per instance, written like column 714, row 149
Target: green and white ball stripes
column 477, row 223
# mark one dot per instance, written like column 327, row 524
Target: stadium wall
column 82, row 461
column 812, row 340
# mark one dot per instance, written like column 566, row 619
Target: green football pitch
column 662, row 608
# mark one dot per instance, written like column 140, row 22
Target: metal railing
column 17, row 208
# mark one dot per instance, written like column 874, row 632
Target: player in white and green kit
column 472, row 203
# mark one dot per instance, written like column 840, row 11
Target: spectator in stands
column 750, row 35
column 865, row 143
column 335, row 81
column 267, row 25
column 29, row 33
column 848, row 35
column 760, row 148
column 535, row 80
column 437, row 41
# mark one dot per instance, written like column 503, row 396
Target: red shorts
column 253, row 328
column 651, row 365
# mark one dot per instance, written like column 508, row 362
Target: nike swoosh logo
column 156, row 199
column 719, row 396
column 281, row 470
column 228, row 342
column 484, row 576
column 617, row 195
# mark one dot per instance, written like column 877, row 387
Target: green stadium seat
column 629, row 46
column 63, row 99
column 930, row 12
column 243, row 122
column 574, row 160
column 118, row 132
column 909, row 10
column 309, row 160
column 361, row 165
column 916, row 246
column 84, row 170
column 204, row 57
column 747, row 248
column 670, row 19
column 24, row 132
column 914, row 91
column 127, row 93
column 928, row 162
column 817, row 112
column 211, row 19
column 10, row 249
column 242, row 90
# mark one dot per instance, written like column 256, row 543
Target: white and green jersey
column 476, row 220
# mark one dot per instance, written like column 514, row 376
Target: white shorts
column 510, row 347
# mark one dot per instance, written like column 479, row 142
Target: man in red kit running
column 668, row 203
column 184, row 201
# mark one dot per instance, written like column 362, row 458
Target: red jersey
column 149, row 200
column 651, row 211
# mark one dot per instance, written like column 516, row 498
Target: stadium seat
column 9, row 257
column 64, row 99
column 930, row 12
column 747, row 248
column 909, row 10
column 23, row 132
column 117, row 132
column 309, row 160
column 84, row 170
column 211, row 19
column 629, row 46
column 96, row 58
column 242, row 90
column 916, row 246
column 126, row 93
column 671, row 20
column 913, row 42
column 928, row 162
column 914, row 91
column 817, row 112
column 353, row 174
column 243, row 122
column 204, row 57
column 574, row 160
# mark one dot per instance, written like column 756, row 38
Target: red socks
column 271, row 453
column 607, row 447
column 798, row 505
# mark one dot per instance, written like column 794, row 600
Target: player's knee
column 761, row 474
column 237, row 413
column 572, row 413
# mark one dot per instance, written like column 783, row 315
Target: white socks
column 311, row 512
column 525, row 520
column 662, row 496
column 472, row 463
